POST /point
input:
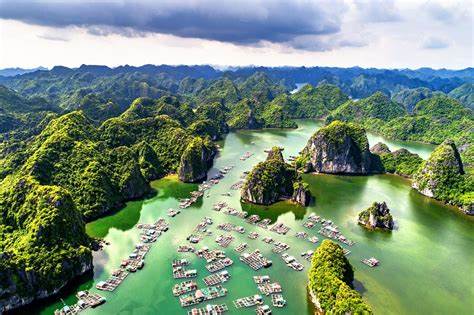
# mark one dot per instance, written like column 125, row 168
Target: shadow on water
column 272, row 212
column 359, row 286
column 335, row 190
column 171, row 187
column 127, row 217
column 122, row 220
column 83, row 282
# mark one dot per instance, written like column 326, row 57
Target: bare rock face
column 301, row 194
column 443, row 166
column 376, row 216
column 196, row 160
column 380, row 148
column 340, row 148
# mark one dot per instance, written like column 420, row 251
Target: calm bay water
column 426, row 264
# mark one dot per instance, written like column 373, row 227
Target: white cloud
column 397, row 38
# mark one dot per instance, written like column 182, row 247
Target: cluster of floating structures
column 224, row 240
column 136, row 259
column 328, row 229
column 371, row 262
column 292, row 262
column 246, row 155
column 180, row 270
column 266, row 287
column 210, row 309
column 149, row 233
column 86, row 300
column 195, row 195
column 217, row 278
column 202, row 295
column 255, row 260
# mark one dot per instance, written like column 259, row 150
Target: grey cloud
column 377, row 11
column 240, row 22
column 54, row 38
column 434, row 43
column 325, row 43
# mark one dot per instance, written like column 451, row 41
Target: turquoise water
column 426, row 263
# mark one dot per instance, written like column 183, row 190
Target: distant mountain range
column 11, row 72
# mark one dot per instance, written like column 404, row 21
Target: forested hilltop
column 78, row 143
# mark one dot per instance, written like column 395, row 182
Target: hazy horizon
column 390, row 34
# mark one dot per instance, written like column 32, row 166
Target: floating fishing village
column 196, row 292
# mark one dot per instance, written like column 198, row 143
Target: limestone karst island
column 233, row 157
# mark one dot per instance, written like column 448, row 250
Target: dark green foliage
column 268, row 181
column 276, row 153
column 410, row 97
column 465, row 94
column 401, row 162
column 205, row 128
column 336, row 131
column 316, row 102
column 260, row 87
column 330, row 279
column 433, row 120
column 147, row 160
column 98, row 109
column 216, row 114
column 242, row 116
column 222, row 91
column 339, row 148
column 167, row 105
column 442, row 177
column 377, row 106
column 43, row 242
column 196, row 159
column 272, row 180
column 275, row 115
column 376, row 216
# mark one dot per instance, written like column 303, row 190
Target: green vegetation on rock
column 464, row 94
column 316, row 102
column 196, row 160
column 330, row 282
column 442, row 177
column 401, row 162
column 340, row 148
column 377, row 216
column 272, row 180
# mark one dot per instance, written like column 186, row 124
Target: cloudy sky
column 370, row 33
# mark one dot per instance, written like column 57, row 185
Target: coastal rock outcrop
column 332, row 273
column 401, row 162
column 340, row 148
column 376, row 216
column 301, row 193
column 196, row 160
column 273, row 180
column 442, row 177
column 380, row 148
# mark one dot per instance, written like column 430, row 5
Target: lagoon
column 426, row 262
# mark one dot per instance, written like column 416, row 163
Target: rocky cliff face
column 376, row 216
column 380, row 148
column 442, row 177
column 340, row 148
column 196, row 160
column 13, row 297
column 301, row 193
column 439, row 170
column 273, row 180
column 275, row 153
